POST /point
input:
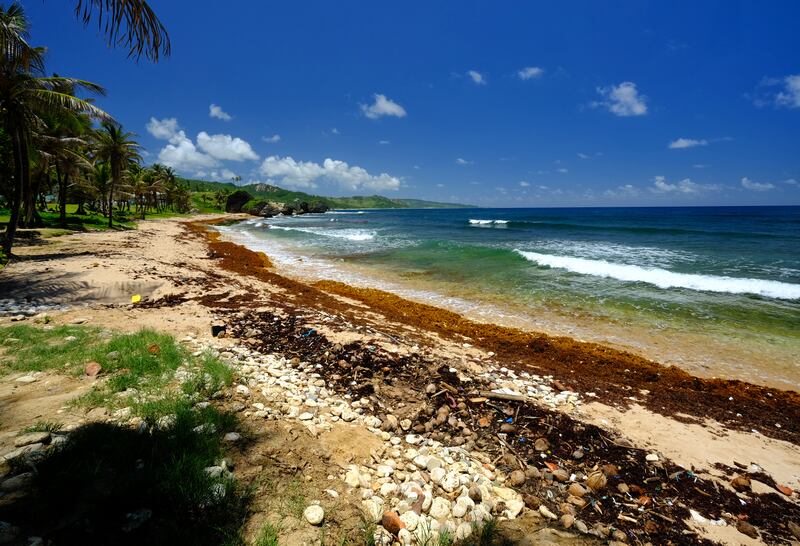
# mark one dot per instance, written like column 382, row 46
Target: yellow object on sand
column 136, row 298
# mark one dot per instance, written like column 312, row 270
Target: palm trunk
column 16, row 192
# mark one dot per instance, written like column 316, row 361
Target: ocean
column 714, row 290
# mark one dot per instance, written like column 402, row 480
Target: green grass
column 43, row 426
column 105, row 471
column 142, row 363
column 144, row 354
column 39, row 349
column 268, row 536
column 294, row 498
column 212, row 376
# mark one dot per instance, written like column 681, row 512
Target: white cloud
column 530, row 72
column 384, row 142
column 181, row 154
column 335, row 131
column 756, row 186
column 271, row 140
column 660, row 185
column 683, row 143
column 623, row 100
column 228, row 174
column 790, row 182
column 462, row 161
column 225, row 147
column 381, row 106
column 215, row 111
column 790, row 96
column 440, row 185
column 476, row 77
column 562, row 170
column 305, row 174
column 583, row 156
column 628, row 190
column 524, row 183
column 163, row 129
column 700, row 166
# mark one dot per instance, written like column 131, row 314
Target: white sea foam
column 349, row 234
column 667, row 279
column 475, row 222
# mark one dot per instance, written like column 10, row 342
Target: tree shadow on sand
column 111, row 484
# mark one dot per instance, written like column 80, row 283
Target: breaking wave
column 663, row 278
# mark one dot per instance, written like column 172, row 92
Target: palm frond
column 127, row 23
column 54, row 103
column 63, row 83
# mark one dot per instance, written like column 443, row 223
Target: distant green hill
column 274, row 193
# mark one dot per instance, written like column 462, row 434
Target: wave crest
column 663, row 278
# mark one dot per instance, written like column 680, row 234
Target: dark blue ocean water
column 727, row 275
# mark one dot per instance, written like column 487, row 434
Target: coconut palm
column 131, row 24
column 26, row 97
column 117, row 148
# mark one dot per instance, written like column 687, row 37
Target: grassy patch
column 294, row 498
column 106, row 474
column 268, row 536
column 92, row 221
column 212, row 376
column 43, row 426
column 37, row 349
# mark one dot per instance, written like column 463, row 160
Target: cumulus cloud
column 217, row 112
column 660, row 185
column 530, row 73
column 462, row 161
column 181, row 154
column 381, row 106
column 225, row 147
column 683, row 143
column 562, row 170
column 790, row 95
column 622, row 100
column 272, row 139
column 306, row 174
column 790, row 182
column 756, row 186
column 476, row 77
column 384, row 142
column 163, row 129
column 524, row 183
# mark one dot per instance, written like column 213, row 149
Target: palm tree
column 117, row 148
column 26, row 97
column 128, row 23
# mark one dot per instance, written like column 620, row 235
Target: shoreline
column 618, row 406
column 707, row 353
column 588, row 366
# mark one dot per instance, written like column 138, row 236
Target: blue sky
column 495, row 104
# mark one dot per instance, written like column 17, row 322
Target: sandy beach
column 540, row 413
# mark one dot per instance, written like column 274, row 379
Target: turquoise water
column 715, row 290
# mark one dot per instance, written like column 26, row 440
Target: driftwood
column 501, row 396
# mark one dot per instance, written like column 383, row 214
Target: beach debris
column 746, row 528
column 794, row 529
column 465, row 451
column 741, row 483
column 136, row 298
column 391, row 522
